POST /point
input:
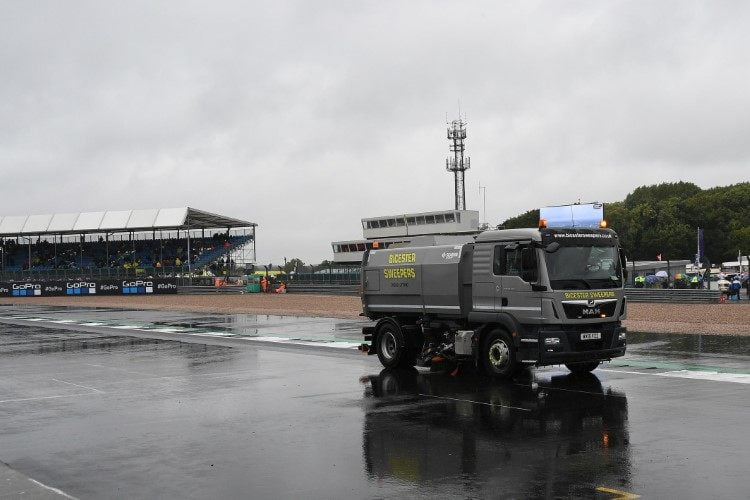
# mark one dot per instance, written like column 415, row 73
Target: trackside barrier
column 206, row 290
column 672, row 295
column 295, row 288
column 324, row 289
column 87, row 287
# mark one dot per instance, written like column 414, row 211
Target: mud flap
column 369, row 346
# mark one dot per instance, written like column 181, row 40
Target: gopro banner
column 145, row 286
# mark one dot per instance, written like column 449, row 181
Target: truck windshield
column 584, row 268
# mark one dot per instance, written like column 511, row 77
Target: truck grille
column 585, row 311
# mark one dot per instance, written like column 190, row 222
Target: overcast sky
column 306, row 116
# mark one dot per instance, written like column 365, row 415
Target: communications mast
column 458, row 164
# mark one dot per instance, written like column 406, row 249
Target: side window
column 498, row 261
column 516, row 260
column 513, row 262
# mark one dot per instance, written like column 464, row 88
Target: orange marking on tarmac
column 618, row 494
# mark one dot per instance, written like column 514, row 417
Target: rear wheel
column 586, row 367
column 392, row 348
column 498, row 356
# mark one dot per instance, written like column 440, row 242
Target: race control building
column 423, row 228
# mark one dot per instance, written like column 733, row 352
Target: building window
column 450, row 218
column 421, row 220
column 458, row 217
column 360, row 247
column 411, row 221
column 400, row 222
column 429, row 219
column 440, row 219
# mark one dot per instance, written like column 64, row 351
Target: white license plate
column 591, row 336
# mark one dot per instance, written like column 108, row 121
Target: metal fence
column 323, row 274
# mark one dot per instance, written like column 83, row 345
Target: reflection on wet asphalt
column 326, row 331
column 99, row 413
column 560, row 438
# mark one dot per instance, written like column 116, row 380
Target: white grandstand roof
column 115, row 221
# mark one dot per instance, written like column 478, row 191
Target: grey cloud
column 307, row 116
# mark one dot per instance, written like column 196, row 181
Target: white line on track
column 45, row 397
column 50, row 488
column 78, row 385
column 738, row 378
column 475, row 402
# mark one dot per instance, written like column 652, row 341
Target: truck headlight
column 621, row 336
column 552, row 341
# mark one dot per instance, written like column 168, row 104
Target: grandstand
column 170, row 242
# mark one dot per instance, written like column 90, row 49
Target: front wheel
column 392, row 348
column 586, row 367
column 498, row 355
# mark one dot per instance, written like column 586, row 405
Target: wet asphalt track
column 151, row 404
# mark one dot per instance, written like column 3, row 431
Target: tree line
column 663, row 219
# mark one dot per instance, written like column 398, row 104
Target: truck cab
column 562, row 287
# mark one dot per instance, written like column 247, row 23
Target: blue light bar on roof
column 582, row 215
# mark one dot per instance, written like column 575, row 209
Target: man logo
column 591, row 302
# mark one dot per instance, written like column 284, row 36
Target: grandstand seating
column 127, row 255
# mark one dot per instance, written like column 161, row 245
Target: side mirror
column 552, row 247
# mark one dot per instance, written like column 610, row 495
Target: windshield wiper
column 606, row 282
column 560, row 283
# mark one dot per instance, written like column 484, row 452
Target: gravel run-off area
column 730, row 318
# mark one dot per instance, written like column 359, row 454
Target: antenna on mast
column 458, row 164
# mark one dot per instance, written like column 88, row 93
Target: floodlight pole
column 190, row 272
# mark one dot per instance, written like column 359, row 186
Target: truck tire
column 392, row 348
column 498, row 355
column 586, row 367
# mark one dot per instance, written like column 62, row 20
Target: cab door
column 486, row 285
column 520, row 269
